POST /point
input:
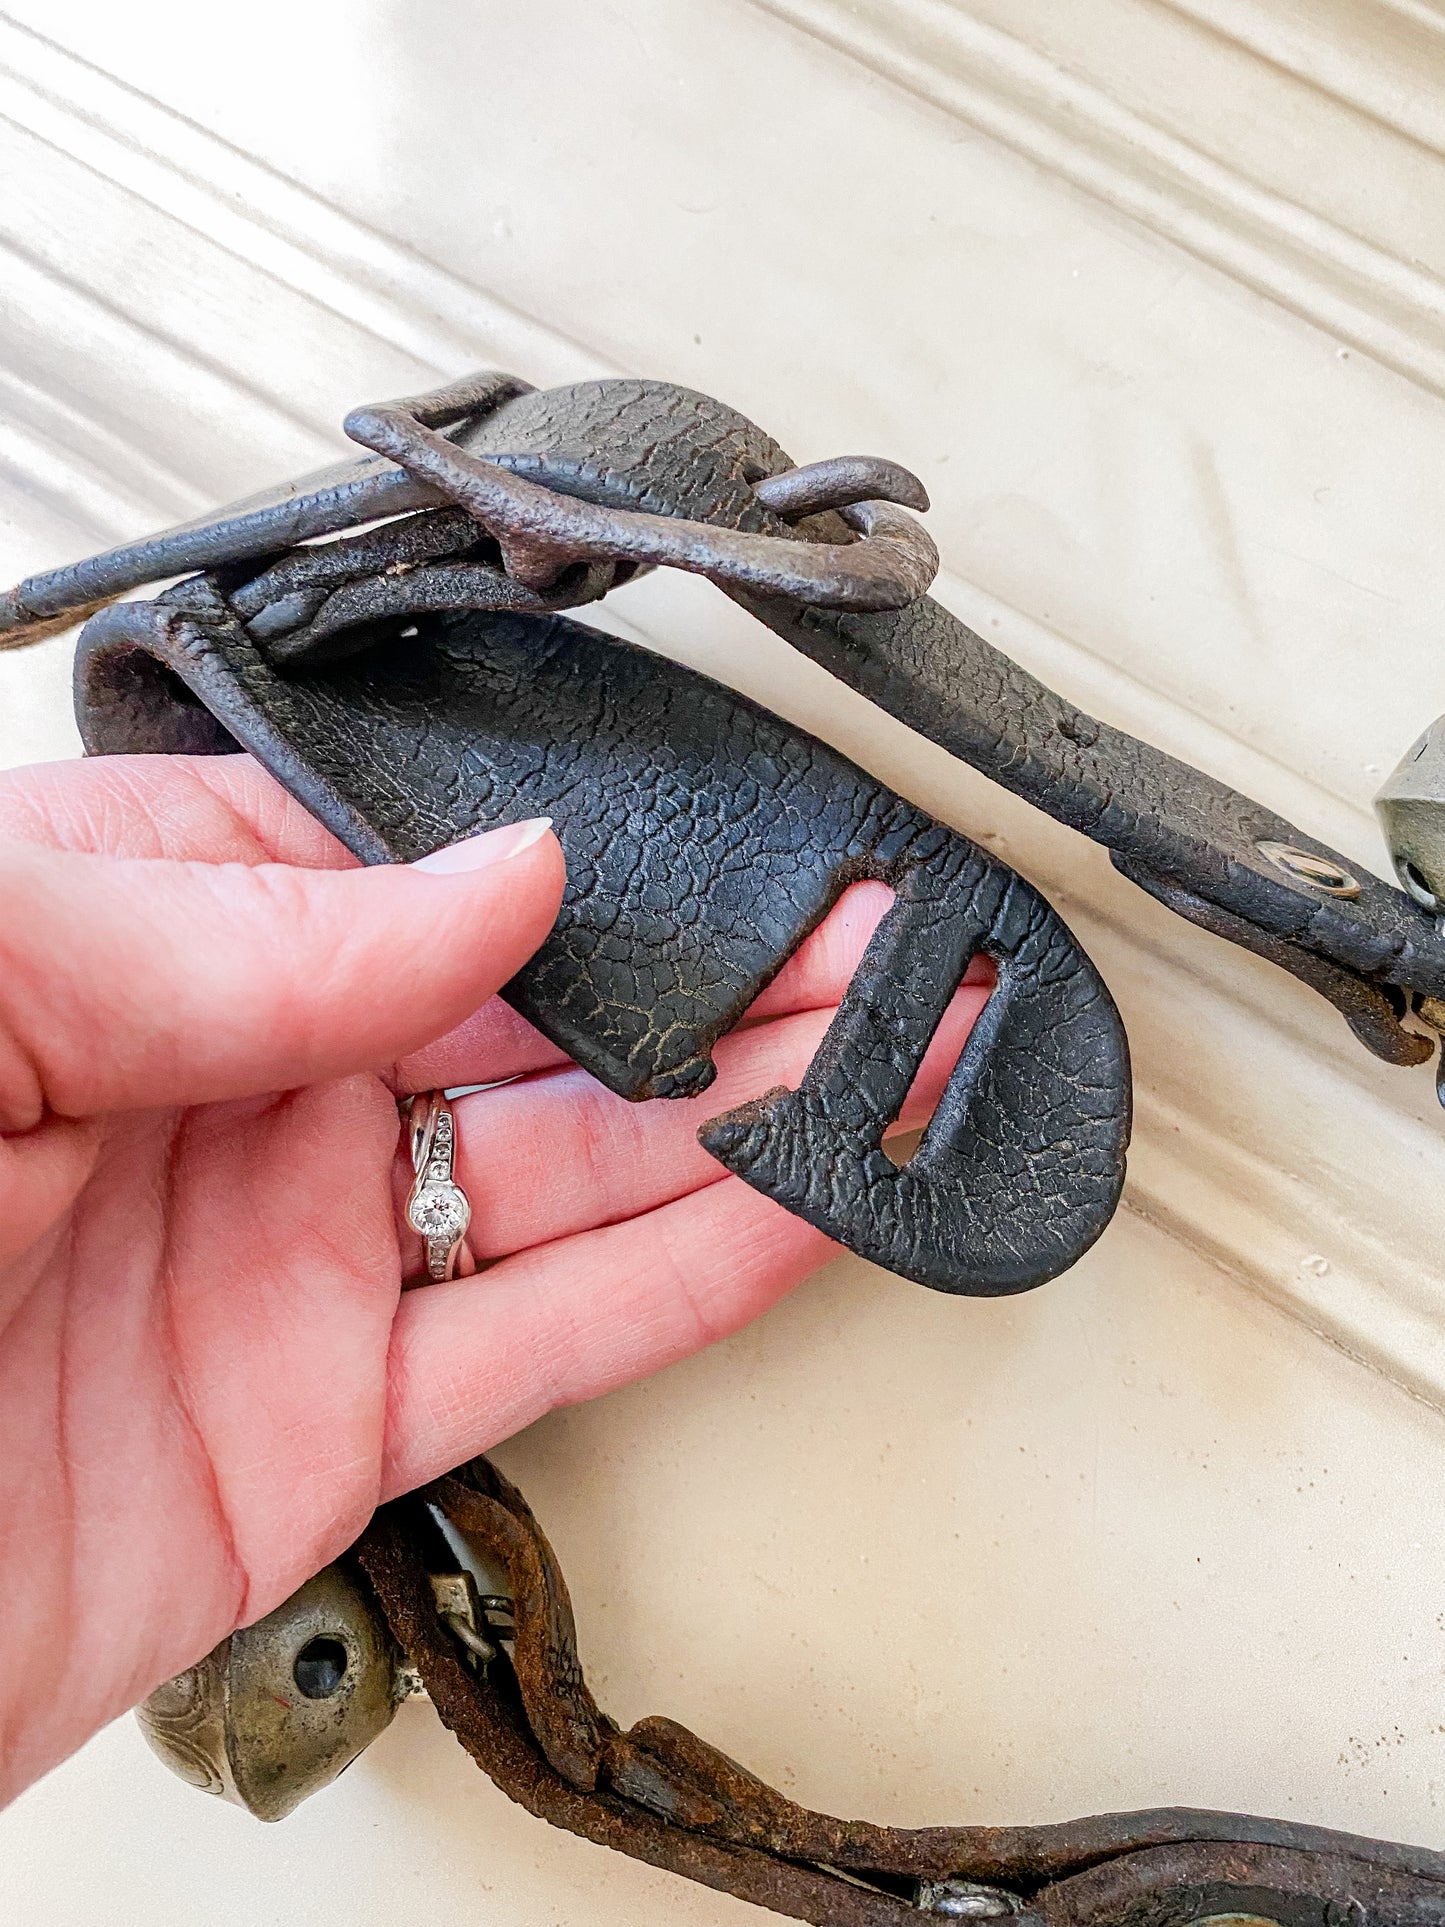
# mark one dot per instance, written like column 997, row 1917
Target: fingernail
column 492, row 846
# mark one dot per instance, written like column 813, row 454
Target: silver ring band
column 438, row 1209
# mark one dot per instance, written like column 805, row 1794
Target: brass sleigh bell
column 281, row 1707
column 1411, row 809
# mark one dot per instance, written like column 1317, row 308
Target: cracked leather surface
column 403, row 726
column 672, row 451
column 642, row 455
column 704, row 840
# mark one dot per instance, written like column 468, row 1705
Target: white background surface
column 1148, row 1535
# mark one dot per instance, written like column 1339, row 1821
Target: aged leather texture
column 396, row 680
column 704, row 840
column 1182, row 834
column 412, row 683
column 661, row 1794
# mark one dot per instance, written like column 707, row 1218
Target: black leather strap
column 403, row 726
column 704, row 840
column 644, row 451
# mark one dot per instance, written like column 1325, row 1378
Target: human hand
column 209, row 1373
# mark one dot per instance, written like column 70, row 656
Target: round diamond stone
column 439, row 1211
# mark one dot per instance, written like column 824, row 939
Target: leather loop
column 996, row 1197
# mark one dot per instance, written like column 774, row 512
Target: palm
column 210, row 1374
column 220, row 1339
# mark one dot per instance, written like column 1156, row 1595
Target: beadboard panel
column 1379, row 58
column 1214, row 126
column 1068, row 387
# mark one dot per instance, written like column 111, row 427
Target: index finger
column 228, row 809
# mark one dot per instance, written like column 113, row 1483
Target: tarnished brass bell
column 1411, row 809
column 281, row 1707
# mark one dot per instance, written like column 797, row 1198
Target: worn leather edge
column 662, row 1795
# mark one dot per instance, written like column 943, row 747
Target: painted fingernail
column 492, row 846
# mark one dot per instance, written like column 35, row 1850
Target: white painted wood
column 1256, row 148
column 1149, row 292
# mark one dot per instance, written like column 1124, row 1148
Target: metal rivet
column 409, row 1684
column 1317, row 872
column 1234, row 1920
column 966, row 1900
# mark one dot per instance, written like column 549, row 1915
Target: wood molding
column 1355, row 287
column 1367, row 54
column 275, row 226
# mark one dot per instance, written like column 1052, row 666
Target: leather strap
column 339, row 668
column 632, row 455
column 660, row 1794
column 1186, row 837
column 704, row 840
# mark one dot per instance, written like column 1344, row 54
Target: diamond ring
column 438, row 1209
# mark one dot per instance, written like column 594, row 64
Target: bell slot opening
column 813, row 982
column 904, row 1136
column 321, row 1667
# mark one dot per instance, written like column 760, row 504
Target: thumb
column 126, row 984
